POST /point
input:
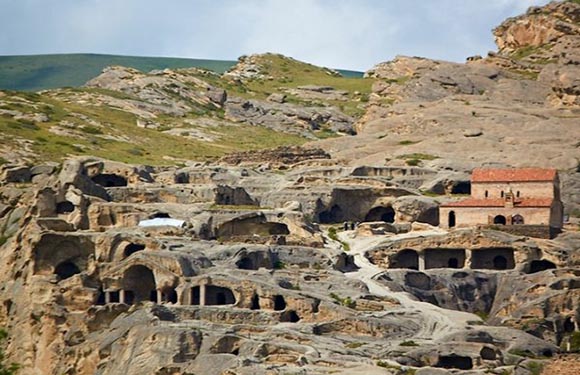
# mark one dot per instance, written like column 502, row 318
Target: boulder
column 417, row 208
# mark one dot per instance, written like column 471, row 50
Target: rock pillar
column 202, row 295
column 421, row 261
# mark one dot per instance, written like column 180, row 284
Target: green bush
column 413, row 162
column 346, row 302
column 407, row 142
column 408, row 343
column 535, row 368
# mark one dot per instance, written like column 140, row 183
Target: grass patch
column 146, row 146
column 526, row 74
column 288, row 73
column 354, row 345
column 279, row 265
column 574, row 342
column 346, row 302
column 399, row 80
column 408, row 343
column 91, row 130
column 325, row 134
column 429, row 193
column 398, row 369
column 535, row 368
column 408, row 142
column 333, row 235
column 482, row 314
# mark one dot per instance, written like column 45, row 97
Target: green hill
column 41, row 72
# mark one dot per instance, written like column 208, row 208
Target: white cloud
column 338, row 33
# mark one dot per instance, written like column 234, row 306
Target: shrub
column 413, row 162
column 408, row 343
column 346, row 302
column 535, row 368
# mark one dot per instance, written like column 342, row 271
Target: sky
column 347, row 34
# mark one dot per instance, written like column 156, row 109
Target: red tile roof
column 499, row 202
column 512, row 175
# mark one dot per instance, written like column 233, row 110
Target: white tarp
column 162, row 222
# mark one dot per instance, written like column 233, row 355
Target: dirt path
column 435, row 321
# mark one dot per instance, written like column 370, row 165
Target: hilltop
column 42, row 72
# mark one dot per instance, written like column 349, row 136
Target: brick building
column 522, row 199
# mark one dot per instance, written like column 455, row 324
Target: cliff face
column 538, row 27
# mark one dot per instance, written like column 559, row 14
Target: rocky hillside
column 519, row 106
column 167, row 117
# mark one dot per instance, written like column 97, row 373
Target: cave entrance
column 132, row 248
column 407, row 258
column 140, row 281
column 444, row 258
column 453, row 263
column 169, row 295
column 66, row 269
column 499, row 262
column 255, row 302
column 461, row 187
column 493, row 259
column 385, row 214
column 195, row 300
column 110, row 180
column 65, row 207
column 218, row 296
column 455, row 361
column 541, row 265
column 290, row 316
column 332, row 216
column 246, row 263
column 279, row 303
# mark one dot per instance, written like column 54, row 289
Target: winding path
column 435, row 322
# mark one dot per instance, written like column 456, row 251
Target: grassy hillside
column 87, row 129
column 163, row 126
column 287, row 73
column 40, row 72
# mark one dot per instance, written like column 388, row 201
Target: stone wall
column 526, row 189
column 537, row 231
column 473, row 216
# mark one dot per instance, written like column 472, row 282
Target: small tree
column 6, row 369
